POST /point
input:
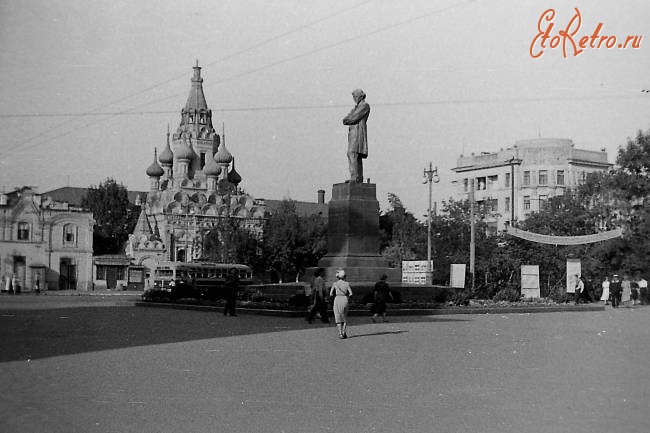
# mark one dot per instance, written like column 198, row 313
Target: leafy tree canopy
column 402, row 236
column 293, row 243
column 115, row 217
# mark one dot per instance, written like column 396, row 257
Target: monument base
column 357, row 269
column 353, row 236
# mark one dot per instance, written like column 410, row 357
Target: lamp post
column 430, row 177
column 512, row 162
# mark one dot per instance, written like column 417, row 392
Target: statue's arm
column 358, row 113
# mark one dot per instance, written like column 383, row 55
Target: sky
column 89, row 87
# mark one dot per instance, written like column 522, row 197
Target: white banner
column 563, row 240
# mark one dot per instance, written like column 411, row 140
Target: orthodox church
column 194, row 191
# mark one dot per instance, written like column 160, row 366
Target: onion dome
column 223, row 156
column 155, row 170
column 167, row 157
column 184, row 151
column 233, row 176
column 211, row 168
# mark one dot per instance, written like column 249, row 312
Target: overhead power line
column 512, row 100
column 251, row 71
column 176, row 77
column 314, row 51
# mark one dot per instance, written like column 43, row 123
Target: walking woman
column 341, row 291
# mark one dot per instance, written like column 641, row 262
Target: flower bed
column 291, row 307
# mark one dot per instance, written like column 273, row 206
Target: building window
column 494, row 205
column 202, row 119
column 526, row 178
column 492, row 181
column 526, row 202
column 543, row 177
column 481, row 183
column 543, row 201
column 202, row 160
column 507, row 208
column 69, row 234
column 191, row 118
column 465, row 184
column 507, row 180
column 23, row 231
column 560, row 177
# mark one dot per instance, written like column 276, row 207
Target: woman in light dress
column 626, row 293
column 341, row 291
column 605, row 295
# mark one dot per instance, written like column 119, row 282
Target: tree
column 230, row 242
column 622, row 195
column 402, row 236
column 115, row 216
column 293, row 243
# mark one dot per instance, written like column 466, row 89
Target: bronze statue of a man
column 357, row 135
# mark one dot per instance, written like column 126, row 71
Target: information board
column 457, row 276
column 573, row 268
column 530, row 281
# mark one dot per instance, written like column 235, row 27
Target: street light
column 512, row 162
column 430, row 177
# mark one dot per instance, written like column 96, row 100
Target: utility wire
column 176, row 77
column 513, row 100
column 251, row 71
column 316, row 50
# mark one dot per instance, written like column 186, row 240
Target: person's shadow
column 370, row 334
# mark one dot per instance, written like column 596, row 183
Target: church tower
column 196, row 128
column 194, row 190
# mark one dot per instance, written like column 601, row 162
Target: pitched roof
column 74, row 195
column 303, row 208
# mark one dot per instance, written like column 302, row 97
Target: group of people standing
column 341, row 292
column 11, row 284
column 626, row 291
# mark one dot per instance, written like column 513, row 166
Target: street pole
column 430, row 177
column 472, row 232
column 512, row 161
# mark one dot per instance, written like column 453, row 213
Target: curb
column 403, row 312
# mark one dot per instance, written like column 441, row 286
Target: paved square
column 127, row 369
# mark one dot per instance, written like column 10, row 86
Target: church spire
column 196, row 99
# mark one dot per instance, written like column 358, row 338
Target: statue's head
column 358, row 95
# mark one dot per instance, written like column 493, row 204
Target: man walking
column 232, row 286
column 318, row 296
column 580, row 288
column 615, row 290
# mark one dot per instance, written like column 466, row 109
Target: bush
column 508, row 295
column 299, row 300
column 460, row 298
column 558, row 294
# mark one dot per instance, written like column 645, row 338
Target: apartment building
column 517, row 181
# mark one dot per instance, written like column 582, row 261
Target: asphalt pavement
column 75, row 364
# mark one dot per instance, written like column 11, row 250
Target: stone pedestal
column 353, row 235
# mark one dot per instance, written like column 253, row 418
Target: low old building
column 44, row 242
column 518, row 180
